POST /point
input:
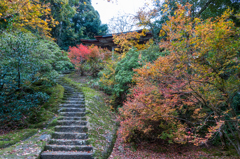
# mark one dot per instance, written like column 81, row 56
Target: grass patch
column 102, row 121
column 49, row 109
column 53, row 123
column 14, row 137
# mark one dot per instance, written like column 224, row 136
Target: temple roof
column 107, row 40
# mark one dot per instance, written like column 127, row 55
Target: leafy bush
column 116, row 77
column 88, row 59
column 124, row 73
column 49, row 53
column 78, row 55
column 107, row 77
column 194, row 89
column 26, row 68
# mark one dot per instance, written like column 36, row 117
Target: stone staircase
column 69, row 141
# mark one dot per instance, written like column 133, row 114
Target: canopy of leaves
column 88, row 20
column 31, row 15
column 77, row 20
column 155, row 18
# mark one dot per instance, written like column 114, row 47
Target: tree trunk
column 223, row 140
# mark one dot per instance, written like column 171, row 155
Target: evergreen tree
column 77, row 19
column 87, row 20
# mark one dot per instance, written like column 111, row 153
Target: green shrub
column 28, row 66
column 116, row 79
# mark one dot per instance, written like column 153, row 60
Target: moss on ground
column 49, row 109
column 102, row 121
column 30, row 148
column 39, row 120
column 14, row 137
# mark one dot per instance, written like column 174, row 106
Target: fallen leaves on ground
column 158, row 150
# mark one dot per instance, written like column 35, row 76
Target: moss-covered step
column 69, row 139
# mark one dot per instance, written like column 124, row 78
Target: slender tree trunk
column 19, row 74
column 223, row 140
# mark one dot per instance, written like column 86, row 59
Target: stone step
column 68, row 148
column 70, row 109
column 66, row 155
column 71, row 122
column 74, row 102
column 73, row 114
column 68, row 88
column 70, row 95
column 73, row 118
column 72, row 128
column 69, row 135
column 73, row 105
column 68, row 142
column 73, row 99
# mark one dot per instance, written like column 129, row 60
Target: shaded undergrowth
column 41, row 118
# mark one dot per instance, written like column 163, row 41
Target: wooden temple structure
column 106, row 41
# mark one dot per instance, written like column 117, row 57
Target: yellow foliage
column 129, row 40
column 27, row 13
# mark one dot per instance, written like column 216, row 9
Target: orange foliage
column 177, row 95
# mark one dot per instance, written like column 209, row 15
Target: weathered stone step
column 72, row 128
column 68, row 142
column 72, row 109
column 71, row 93
column 66, row 155
column 72, row 118
column 73, row 105
column 68, row 148
column 73, row 99
column 68, row 89
column 69, row 135
column 71, row 96
column 72, row 122
column 73, row 114
column 74, row 102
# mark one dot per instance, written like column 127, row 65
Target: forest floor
column 161, row 150
column 26, row 149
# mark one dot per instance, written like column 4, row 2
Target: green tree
column 27, row 67
column 77, row 19
column 87, row 20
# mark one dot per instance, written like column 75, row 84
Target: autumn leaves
column 25, row 13
column 192, row 88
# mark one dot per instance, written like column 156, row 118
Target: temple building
column 106, row 41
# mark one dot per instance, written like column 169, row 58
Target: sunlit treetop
column 31, row 15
